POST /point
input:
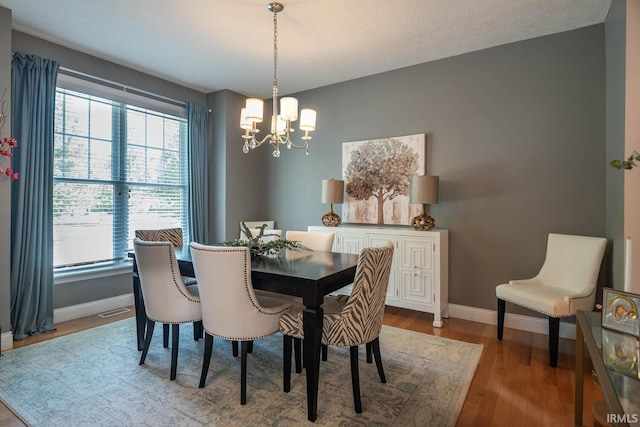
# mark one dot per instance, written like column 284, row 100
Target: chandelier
column 281, row 129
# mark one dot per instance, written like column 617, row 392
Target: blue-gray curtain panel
column 33, row 95
column 198, row 123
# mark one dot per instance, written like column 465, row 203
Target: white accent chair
column 230, row 308
column 566, row 283
column 166, row 298
column 314, row 240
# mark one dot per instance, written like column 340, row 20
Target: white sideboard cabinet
column 419, row 277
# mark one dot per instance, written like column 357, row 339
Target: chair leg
column 501, row 307
column 147, row 340
column 234, row 348
column 286, row 369
column 197, row 330
column 355, row 378
column 297, row 348
column 175, row 335
column 325, row 350
column 208, row 346
column 165, row 335
column 375, row 347
column 243, row 371
column 368, row 350
column 250, row 347
column 554, row 333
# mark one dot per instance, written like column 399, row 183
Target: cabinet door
column 417, row 252
column 350, row 243
column 417, row 287
column 416, row 266
column 376, row 240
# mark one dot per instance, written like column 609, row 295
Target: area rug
column 92, row 378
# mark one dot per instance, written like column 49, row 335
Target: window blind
column 118, row 167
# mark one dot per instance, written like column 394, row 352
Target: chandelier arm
column 258, row 143
column 294, row 145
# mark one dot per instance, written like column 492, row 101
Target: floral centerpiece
column 6, row 145
column 258, row 246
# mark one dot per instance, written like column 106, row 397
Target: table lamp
column 424, row 189
column 332, row 192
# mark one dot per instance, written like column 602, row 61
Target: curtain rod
column 120, row 86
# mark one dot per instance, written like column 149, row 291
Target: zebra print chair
column 359, row 322
column 173, row 235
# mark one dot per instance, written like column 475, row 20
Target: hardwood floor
column 513, row 385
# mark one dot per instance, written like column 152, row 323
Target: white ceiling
column 210, row 45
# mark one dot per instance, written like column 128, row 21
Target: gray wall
column 237, row 179
column 516, row 134
column 615, row 39
column 5, row 185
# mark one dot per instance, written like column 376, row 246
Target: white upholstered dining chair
column 230, row 308
column 175, row 236
column 167, row 299
column 566, row 283
column 314, row 240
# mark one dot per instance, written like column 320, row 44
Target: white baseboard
column 515, row 321
column 75, row 312
column 90, row 308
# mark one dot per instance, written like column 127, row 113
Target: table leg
column 141, row 315
column 312, row 324
column 579, row 375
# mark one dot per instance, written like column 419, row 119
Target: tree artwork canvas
column 377, row 174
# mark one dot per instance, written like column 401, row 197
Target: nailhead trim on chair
column 174, row 323
column 531, row 308
column 549, row 314
column 173, row 273
column 246, row 283
column 571, row 299
column 237, row 339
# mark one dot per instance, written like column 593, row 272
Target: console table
column 621, row 392
column 419, row 278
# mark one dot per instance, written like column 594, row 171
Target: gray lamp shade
column 332, row 191
column 424, row 189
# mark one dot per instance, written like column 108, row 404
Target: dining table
column 310, row 275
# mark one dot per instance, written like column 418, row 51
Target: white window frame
column 129, row 97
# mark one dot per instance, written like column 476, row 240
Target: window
column 118, row 167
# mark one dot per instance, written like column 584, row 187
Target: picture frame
column 375, row 194
column 620, row 311
column 621, row 352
